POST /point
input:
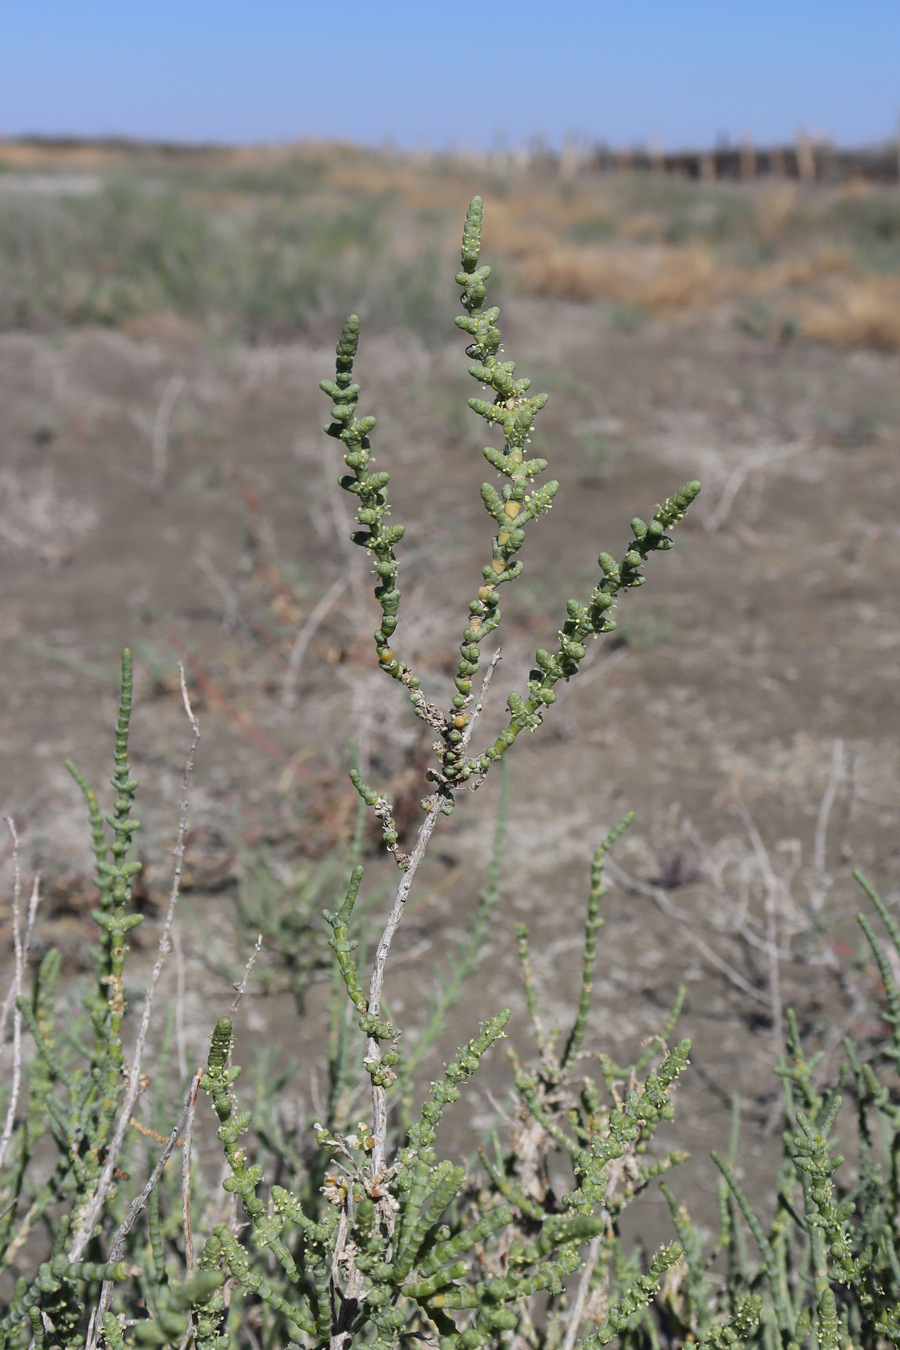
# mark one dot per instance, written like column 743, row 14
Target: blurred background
column 693, row 216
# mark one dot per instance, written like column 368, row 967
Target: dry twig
column 21, row 943
column 160, row 440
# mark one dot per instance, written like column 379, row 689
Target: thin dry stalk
column 576, row 1311
column 659, row 897
column 180, row 991
column 305, row 636
column 178, row 1136
column 241, row 986
column 772, row 887
column 715, row 520
column 774, row 967
column 95, row 1208
column 160, row 440
column 16, row 992
column 440, row 798
column 218, row 582
column 18, row 1242
column 743, row 924
column 376, row 984
column 187, row 1338
column 12, row 992
column 834, row 781
column 16, row 1029
column 186, row 1145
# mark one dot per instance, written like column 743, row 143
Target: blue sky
column 443, row 75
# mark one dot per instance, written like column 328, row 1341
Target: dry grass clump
column 654, row 277
column 657, row 277
column 859, row 312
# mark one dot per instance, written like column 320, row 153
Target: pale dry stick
column 741, row 925
column 186, row 1145
column 440, row 799
column 91, row 1338
column 637, row 887
column 772, row 952
column 188, row 1336
column 576, row 1311
column 20, row 947
column 305, row 636
column 480, row 701
column 376, row 984
column 16, row 989
column 713, row 866
column 95, row 1207
column 834, row 781
column 241, row 986
column 837, row 1028
column 160, row 439
column 26, row 948
column 746, row 927
column 15, row 536
column 774, row 967
column 742, row 908
column 16, row 1244
column 228, row 593
column 178, row 1136
column 735, row 481
column 180, row 989
column 772, row 882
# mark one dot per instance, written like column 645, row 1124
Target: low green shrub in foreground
column 354, row 1229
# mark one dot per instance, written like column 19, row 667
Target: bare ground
column 181, row 499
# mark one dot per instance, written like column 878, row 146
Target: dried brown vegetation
column 261, row 243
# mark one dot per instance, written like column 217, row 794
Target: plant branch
column 178, row 1136
column 95, row 1206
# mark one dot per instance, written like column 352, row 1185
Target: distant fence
column 806, row 160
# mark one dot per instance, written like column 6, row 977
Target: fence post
column 806, row 158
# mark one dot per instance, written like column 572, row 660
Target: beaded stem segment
column 583, row 621
column 371, row 490
column 513, row 411
column 114, row 880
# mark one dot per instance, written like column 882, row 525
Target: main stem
column 441, row 799
column 376, row 986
